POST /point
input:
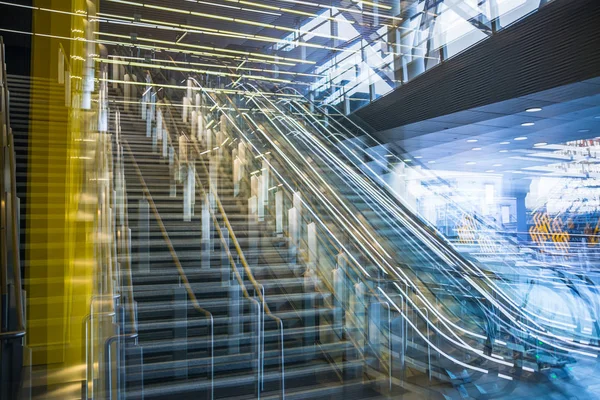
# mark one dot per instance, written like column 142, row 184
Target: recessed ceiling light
column 418, row 157
column 533, row 109
column 540, row 144
column 489, row 171
column 528, row 124
column 389, row 155
column 476, row 148
column 503, row 151
column 408, row 160
column 504, row 142
column 471, row 163
column 431, row 162
column 497, row 165
column 472, row 141
column 521, row 138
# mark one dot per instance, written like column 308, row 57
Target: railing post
column 294, row 234
column 194, row 124
column 148, row 124
column 126, row 92
column 234, row 297
column 189, row 192
column 237, row 175
column 256, row 345
column 172, row 172
column 180, row 330
column 266, row 182
column 359, row 313
column 313, row 255
column 186, row 106
column 252, row 254
column 279, row 212
column 260, row 193
column 144, row 236
column 310, row 323
column 398, row 345
column 374, row 331
column 206, row 233
column 200, row 126
column 339, row 282
column 227, row 278
column 152, row 106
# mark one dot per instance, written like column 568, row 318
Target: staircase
column 200, row 294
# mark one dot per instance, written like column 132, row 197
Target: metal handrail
column 233, row 105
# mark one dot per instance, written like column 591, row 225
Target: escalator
column 368, row 295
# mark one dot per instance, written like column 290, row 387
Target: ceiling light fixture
column 497, row 165
column 418, row 157
column 476, row 148
column 534, row 109
column 504, row 142
column 540, row 144
column 503, row 151
column 431, row 162
column 528, row 124
column 518, row 139
column 472, row 141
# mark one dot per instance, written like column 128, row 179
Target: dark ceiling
column 250, row 18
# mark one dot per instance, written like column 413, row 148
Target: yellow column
column 59, row 256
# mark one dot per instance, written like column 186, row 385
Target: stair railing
column 257, row 287
column 9, row 200
column 181, row 271
column 122, row 234
column 261, row 303
column 12, row 326
column 260, row 323
column 111, row 304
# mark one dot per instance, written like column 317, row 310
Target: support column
column 522, row 229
